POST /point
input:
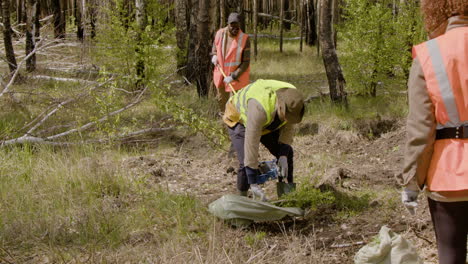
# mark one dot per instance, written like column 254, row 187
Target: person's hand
column 410, row 200
column 214, row 60
column 283, row 166
column 228, row 79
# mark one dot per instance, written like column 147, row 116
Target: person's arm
column 286, row 134
column 256, row 117
column 245, row 62
column 420, row 130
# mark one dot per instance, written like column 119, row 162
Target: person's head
column 233, row 24
column 437, row 12
column 290, row 104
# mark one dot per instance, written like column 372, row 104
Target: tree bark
column 203, row 49
column 37, row 22
column 79, row 19
column 335, row 76
column 31, row 12
column 92, row 16
column 301, row 16
column 311, row 37
column 281, row 24
column 286, row 15
column 222, row 12
column 59, row 20
column 255, row 26
column 182, row 21
column 192, row 42
column 7, row 35
column 142, row 22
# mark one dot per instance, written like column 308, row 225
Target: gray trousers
column 270, row 141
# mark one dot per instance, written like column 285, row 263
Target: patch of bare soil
column 355, row 163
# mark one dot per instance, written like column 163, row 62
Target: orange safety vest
column 231, row 61
column 444, row 61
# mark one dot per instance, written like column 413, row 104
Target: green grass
column 69, row 199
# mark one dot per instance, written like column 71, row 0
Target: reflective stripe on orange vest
column 444, row 61
column 230, row 60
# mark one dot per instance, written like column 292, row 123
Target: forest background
column 112, row 147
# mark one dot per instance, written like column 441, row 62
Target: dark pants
column 270, row 141
column 450, row 221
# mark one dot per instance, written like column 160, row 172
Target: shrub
column 377, row 39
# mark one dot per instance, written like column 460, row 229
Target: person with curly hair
column 436, row 154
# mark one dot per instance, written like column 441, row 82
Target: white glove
column 283, row 166
column 214, row 60
column 258, row 192
column 410, row 200
column 228, row 79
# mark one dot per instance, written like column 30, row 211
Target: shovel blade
column 283, row 188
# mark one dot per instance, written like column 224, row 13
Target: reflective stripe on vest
column 264, row 91
column 444, row 61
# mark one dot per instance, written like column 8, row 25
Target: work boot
column 258, row 192
column 243, row 193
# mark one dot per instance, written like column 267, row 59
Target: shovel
column 283, row 188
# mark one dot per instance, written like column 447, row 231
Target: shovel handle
column 222, row 72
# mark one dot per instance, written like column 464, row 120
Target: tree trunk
column 20, row 12
column 192, row 42
column 7, row 34
column 301, row 16
column 203, row 49
column 222, row 12
column 281, row 24
column 311, row 37
column 142, row 22
column 286, row 15
column 182, row 21
column 335, row 77
column 255, row 26
column 37, row 22
column 79, row 19
column 92, row 16
column 59, row 20
column 31, row 12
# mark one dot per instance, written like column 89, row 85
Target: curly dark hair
column 438, row 11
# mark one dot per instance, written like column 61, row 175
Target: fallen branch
column 32, row 139
column 60, row 79
column 347, row 244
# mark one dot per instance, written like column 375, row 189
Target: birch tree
column 31, row 13
column 335, row 76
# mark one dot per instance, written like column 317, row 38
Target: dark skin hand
column 233, row 29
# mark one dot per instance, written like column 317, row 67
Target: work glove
column 410, row 200
column 258, row 192
column 283, row 166
column 214, row 60
column 228, row 79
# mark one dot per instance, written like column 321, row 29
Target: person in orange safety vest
column 231, row 53
column 436, row 154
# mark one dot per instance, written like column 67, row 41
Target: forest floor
column 362, row 165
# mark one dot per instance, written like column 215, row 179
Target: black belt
column 452, row 132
